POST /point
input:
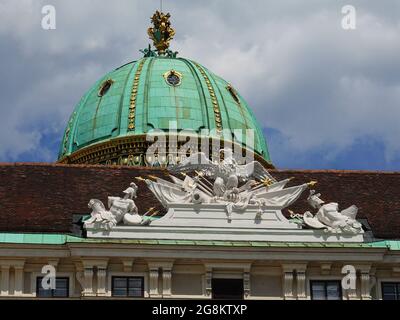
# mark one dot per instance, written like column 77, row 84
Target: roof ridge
column 54, row 164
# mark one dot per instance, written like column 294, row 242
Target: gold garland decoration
column 132, row 106
column 217, row 112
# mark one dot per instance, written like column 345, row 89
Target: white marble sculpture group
column 120, row 210
column 239, row 191
column 237, row 187
column 328, row 216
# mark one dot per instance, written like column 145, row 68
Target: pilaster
column 88, row 282
column 153, row 282
column 163, row 267
column 18, row 266
column 288, row 285
column 289, row 272
column 5, row 280
column 166, row 275
column 101, row 281
column 365, row 280
column 92, row 267
column 18, row 280
column 301, row 285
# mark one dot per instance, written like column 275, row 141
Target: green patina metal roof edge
column 60, row 239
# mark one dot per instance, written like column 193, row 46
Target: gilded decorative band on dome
column 131, row 151
column 132, row 106
column 217, row 112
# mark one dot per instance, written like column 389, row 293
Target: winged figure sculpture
column 224, row 169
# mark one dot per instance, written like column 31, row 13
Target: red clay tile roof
column 42, row 197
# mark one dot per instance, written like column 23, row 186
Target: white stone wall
column 186, row 272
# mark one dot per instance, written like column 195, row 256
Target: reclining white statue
column 329, row 217
column 121, row 209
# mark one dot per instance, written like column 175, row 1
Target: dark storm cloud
column 317, row 89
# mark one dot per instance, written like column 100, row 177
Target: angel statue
column 121, row 209
column 329, row 217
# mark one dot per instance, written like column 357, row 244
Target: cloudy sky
column 326, row 97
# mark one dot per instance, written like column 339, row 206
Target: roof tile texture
column 42, row 197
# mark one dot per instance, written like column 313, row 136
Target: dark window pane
column 61, row 290
column 333, row 291
column 135, row 293
column 227, row 289
column 135, row 283
column 319, row 295
column 120, row 283
column 319, row 286
column 127, row 286
column 40, row 291
column 61, row 283
column 389, row 288
column 117, row 292
column 390, row 291
column 318, row 290
column 60, row 293
column 47, row 283
column 326, row 290
column 38, row 284
column 43, row 293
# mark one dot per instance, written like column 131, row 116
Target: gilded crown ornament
column 161, row 33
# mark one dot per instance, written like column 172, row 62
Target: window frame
column 37, row 288
column 105, row 86
column 325, row 282
column 397, row 285
column 127, row 277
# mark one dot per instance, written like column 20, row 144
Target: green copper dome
column 150, row 93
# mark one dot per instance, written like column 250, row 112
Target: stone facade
column 185, row 271
column 39, row 201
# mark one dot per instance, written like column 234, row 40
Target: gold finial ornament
column 161, row 33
